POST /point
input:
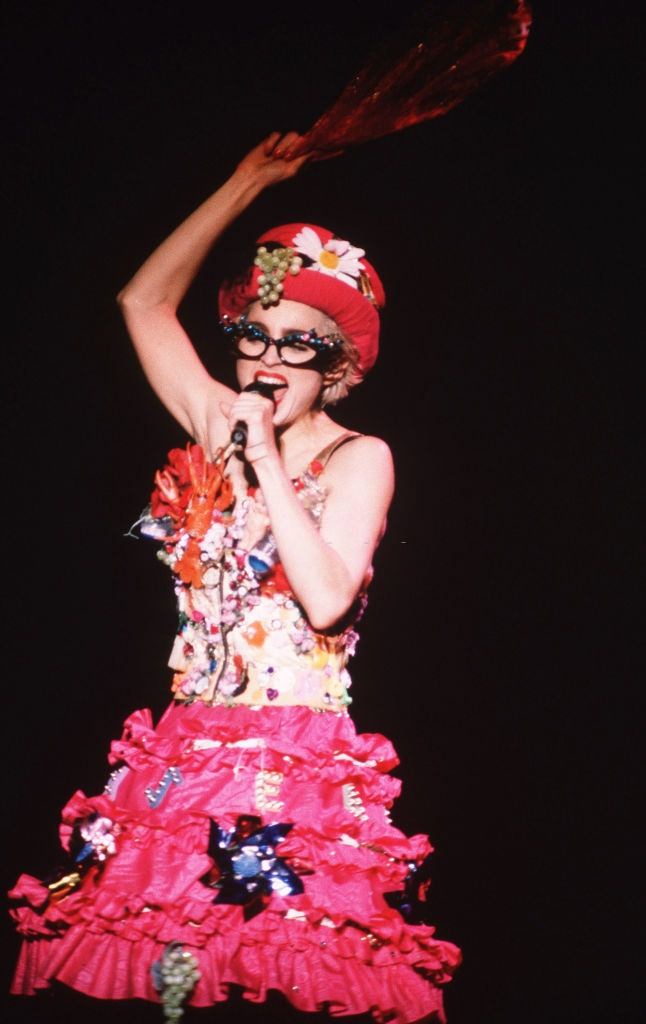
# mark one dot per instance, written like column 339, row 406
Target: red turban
column 335, row 278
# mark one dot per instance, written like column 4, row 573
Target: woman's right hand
column 271, row 161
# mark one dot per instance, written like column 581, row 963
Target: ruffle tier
column 337, row 945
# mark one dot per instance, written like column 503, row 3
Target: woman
column 246, row 840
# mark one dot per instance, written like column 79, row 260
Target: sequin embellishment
column 155, row 794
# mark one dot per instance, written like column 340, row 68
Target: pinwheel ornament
column 247, row 869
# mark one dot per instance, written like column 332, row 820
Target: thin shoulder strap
column 326, row 454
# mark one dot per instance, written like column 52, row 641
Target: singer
column 245, row 840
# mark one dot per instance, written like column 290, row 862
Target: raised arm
column 151, row 299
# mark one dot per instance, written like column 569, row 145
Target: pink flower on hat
column 337, row 257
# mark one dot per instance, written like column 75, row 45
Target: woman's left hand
column 257, row 413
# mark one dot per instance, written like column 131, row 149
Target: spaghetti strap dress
column 246, row 838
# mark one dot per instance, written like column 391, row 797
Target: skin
column 325, row 567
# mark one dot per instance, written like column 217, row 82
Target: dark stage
column 499, row 648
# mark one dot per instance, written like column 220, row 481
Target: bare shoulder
column 363, row 448
column 365, row 460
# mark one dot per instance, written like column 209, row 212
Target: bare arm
column 325, row 567
column 150, row 300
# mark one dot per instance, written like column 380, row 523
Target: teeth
column 266, row 379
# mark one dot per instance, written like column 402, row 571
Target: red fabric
column 443, row 53
column 355, row 314
column 102, row 938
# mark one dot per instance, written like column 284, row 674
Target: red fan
column 448, row 50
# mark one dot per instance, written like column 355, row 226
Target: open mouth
column 275, row 380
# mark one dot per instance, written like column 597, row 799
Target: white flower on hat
column 337, row 258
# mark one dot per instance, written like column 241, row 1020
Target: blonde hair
column 349, row 359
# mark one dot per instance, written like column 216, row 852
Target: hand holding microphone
column 240, row 432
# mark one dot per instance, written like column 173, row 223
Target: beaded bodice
column 242, row 636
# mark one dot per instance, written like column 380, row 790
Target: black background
column 499, row 650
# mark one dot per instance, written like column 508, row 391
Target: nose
column 274, row 359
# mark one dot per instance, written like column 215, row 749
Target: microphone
column 258, row 387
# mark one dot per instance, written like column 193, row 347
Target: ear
column 335, row 373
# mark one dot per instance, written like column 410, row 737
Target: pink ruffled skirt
column 337, row 945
